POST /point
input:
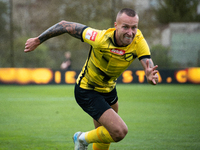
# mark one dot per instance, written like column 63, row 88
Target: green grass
column 162, row 117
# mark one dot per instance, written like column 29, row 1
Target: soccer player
column 111, row 52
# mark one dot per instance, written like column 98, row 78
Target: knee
column 120, row 133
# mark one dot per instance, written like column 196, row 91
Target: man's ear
column 115, row 25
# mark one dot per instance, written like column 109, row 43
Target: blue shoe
column 78, row 145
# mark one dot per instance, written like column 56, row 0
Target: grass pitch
column 162, row 117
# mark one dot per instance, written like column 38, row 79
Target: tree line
column 31, row 18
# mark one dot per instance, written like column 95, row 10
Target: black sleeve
column 82, row 33
column 145, row 56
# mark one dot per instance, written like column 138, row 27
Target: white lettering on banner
column 118, row 51
column 91, row 35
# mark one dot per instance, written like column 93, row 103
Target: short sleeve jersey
column 107, row 61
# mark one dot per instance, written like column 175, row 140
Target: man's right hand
column 31, row 44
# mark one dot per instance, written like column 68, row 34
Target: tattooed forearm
column 74, row 29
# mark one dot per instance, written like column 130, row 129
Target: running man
column 111, row 52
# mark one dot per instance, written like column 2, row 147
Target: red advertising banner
column 23, row 76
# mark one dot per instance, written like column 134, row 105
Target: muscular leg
column 113, row 123
column 109, row 128
column 114, row 107
column 103, row 146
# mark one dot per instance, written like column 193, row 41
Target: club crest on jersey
column 118, row 51
column 91, row 35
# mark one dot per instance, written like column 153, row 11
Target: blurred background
column 171, row 28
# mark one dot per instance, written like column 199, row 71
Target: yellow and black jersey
column 107, row 61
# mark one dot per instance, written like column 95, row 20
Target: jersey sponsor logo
column 118, row 51
column 91, row 35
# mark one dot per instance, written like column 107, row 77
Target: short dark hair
column 127, row 11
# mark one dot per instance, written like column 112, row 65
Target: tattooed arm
column 150, row 70
column 72, row 28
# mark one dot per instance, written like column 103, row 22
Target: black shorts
column 95, row 103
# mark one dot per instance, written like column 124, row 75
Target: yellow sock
column 98, row 135
column 101, row 146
